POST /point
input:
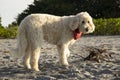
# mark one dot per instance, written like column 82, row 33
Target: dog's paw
column 28, row 67
column 36, row 69
column 64, row 63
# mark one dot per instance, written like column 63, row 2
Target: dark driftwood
column 97, row 54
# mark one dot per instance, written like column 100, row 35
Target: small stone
column 6, row 57
column 88, row 74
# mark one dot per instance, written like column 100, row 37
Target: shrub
column 9, row 32
column 107, row 26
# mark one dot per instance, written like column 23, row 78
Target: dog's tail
column 20, row 50
column 14, row 52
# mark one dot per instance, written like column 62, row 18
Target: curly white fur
column 53, row 29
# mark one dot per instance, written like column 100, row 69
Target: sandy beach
column 78, row 69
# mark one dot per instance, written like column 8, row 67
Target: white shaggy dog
column 61, row 31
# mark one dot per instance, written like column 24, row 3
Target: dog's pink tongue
column 77, row 34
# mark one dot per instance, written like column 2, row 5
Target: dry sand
column 51, row 70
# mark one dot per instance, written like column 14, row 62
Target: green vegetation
column 9, row 32
column 107, row 26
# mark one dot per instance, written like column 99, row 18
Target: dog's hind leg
column 27, row 58
column 35, row 58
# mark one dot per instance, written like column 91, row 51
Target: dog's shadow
column 46, row 68
column 10, row 71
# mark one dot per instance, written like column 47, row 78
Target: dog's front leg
column 64, row 53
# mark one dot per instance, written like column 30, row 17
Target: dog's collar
column 76, row 34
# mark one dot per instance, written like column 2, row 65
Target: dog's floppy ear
column 74, row 23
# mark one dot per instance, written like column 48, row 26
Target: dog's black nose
column 86, row 29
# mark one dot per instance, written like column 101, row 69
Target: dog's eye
column 88, row 21
column 83, row 22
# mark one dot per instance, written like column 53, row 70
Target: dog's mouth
column 77, row 34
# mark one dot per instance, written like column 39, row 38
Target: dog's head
column 83, row 22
